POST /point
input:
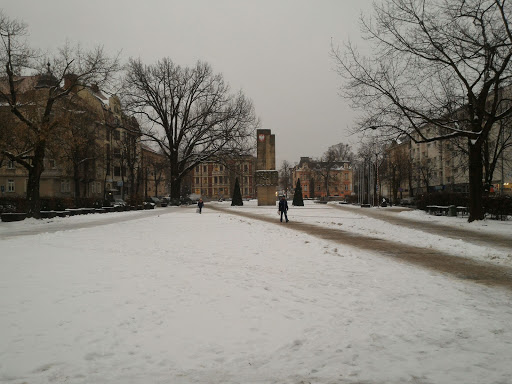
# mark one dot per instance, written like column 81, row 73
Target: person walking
column 283, row 208
column 200, row 205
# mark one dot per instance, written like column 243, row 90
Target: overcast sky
column 276, row 51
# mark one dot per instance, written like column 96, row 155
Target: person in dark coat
column 283, row 208
column 200, row 205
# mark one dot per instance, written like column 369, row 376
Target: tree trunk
column 33, row 184
column 77, row 184
column 475, row 204
column 175, row 188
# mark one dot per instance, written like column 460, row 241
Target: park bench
column 437, row 210
column 444, row 210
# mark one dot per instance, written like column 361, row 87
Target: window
column 117, row 171
column 197, row 168
column 215, row 180
column 205, row 169
column 197, row 180
column 10, row 186
column 52, row 163
column 246, row 168
column 96, row 187
column 65, row 186
column 346, row 176
column 10, row 164
column 221, row 168
column 246, row 191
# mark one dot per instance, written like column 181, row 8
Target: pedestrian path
column 391, row 216
column 456, row 266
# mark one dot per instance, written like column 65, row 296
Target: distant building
column 155, row 173
column 313, row 175
column 216, row 179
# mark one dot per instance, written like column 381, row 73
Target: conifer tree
column 297, row 197
column 236, row 199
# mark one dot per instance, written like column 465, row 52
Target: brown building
column 216, row 180
column 313, row 175
column 95, row 153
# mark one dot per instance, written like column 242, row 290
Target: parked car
column 164, row 201
column 154, row 200
column 408, row 201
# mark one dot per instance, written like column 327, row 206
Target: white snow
column 217, row 298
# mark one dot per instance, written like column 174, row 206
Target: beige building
column 155, row 171
column 440, row 166
column 95, row 155
column 216, row 180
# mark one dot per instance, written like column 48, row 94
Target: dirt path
column 456, row 266
column 390, row 216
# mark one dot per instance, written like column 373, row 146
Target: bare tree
column 396, row 167
column 323, row 169
column 343, row 152
column 34, row 105
column 189, row 113
column 443, row 64
column 285, row 176
column 76, row 146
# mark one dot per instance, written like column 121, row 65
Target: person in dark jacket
column 200, row 205
column 283, row 208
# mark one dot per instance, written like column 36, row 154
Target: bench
column 437, row 210
column 463, row 211
column 444, row 210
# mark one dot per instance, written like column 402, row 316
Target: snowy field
column 217, row 298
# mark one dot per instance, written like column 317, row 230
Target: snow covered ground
column 217, row 298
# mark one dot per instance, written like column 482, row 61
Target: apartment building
column 94, row 155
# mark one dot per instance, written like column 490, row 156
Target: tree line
column 437, row 71
column 189, row 113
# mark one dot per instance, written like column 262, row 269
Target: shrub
column 297, row 196
column 236, row 199
column 13, row 204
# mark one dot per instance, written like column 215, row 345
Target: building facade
column 314, row 174
column 216, row 180
column 95, row 153
column 155, row 173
